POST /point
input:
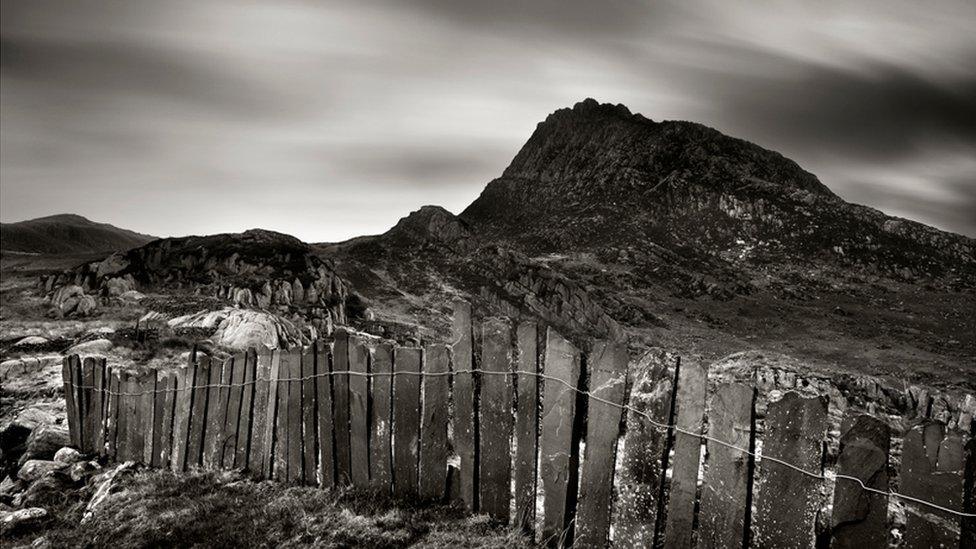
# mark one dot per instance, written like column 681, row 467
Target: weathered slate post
column 181, row 414
column 247, row 410
column 860, row 517
column 465, row 402
column 147, row 414
column 124, row 416
column 644, row 459
column 689, row 418
column 309, row 427
column 725, row 498
column 558, row 416
column 271, row 417
column 359, row 410
column 166, row 400
column 340, row 405
column 526, row 425
column 232, row 418
column 198, row 419
column 607, row 365
column 221, row 373
column 98, row 406
column 323, row 402
column 406, row 420
column 381, row 418
column 134, row 441
column 71, row 403
column 112, row 419
column 281, row 441
column 795, row 430
column 495, row 448
column 433, row 430
column 86, row 406
column 294, row 422
column 217, row 394
column 933, row 464
column 259, row 424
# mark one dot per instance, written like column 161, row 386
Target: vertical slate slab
column 125, row 415
column 159, row 402
column 77, row 393
column 198, row 414
column 71, row 406
column 860, row 517
column 112, row 419
column 359, row 411
column 134, row 434
column 147, row 406
column 323, row 401
column 465, row 400
column 381, row 418
column 296, row 455
column 795, row 431
column 168, row 391
column 933, row 468
column 340, row 407
column 433, row 430
column 271, row 418
column 281, row 441
column 555, row 446
column 181, row 415
column 309, row 427
column 725, row 491
column 220, row 375
column 406, row 420
column 86, row 406
column 99, row 405
column 644, row 456
column 257, row 450
column 495, row 448
column 607, row 366
column 526, row 425
column 232, row 417
column 968, row 533
column 246, row 414
column 689, row 416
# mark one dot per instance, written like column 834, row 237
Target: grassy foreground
column 161, row 509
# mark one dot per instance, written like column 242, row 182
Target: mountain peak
column 430, row 223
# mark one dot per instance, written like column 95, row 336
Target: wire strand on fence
column 588, row 394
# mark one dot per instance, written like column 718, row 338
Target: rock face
column 597, row 175
column 241, row 329
column 607, row 222
column 255, row 269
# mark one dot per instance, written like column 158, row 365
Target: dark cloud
column 328, row 120
column 876, row 112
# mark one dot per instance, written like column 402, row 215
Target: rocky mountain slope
column 608, row 223
column 67, row 234
column 199, row 275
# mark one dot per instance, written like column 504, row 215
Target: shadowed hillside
column 67, row 234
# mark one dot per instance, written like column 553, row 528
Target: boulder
column 34, row 469
column 118, row 286
column 45, row 442
column 67, row 455
column 31, row 341
column 21, row 518
column 82, row 470
column 132, row 295
column 240, row 329
column 103, row 484
column 94, row 347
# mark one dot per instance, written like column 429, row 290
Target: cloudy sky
column 329, row 120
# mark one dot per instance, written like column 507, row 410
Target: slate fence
column 511, row 419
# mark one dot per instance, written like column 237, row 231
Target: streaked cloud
column 329, row 120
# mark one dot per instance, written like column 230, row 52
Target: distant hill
column 67, row 234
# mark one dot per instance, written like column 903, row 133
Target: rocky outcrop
column 597, row 176
column 242, row 329
column 254, row 269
